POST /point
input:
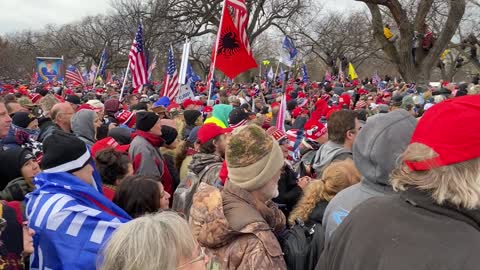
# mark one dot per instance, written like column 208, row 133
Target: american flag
column 171, row 86
column 282, row 112
column 137, row 60
column 240, row 20
column 295, row 137
column 72, row 74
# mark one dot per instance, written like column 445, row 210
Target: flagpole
column 212, row 69
column 276, row 70
column 125, row 79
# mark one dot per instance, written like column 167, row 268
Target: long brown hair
column 138, row 195
column 336, row 177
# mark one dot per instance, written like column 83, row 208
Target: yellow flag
column 444, row 54
column 266, row 62
column 351, row 72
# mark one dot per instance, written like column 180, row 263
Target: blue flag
column 104, row 63
column 304, row 73
column 281, row 76
column 191, row 75
column 72, row 221
column 288, row 45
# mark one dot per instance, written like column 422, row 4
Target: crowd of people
column 381, row 174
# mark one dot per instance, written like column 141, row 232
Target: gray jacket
column 147, row 160
column 327, row 153
column 376, row 152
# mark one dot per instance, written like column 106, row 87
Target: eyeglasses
column 200, row 257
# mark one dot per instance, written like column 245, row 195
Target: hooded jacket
column 376, row 151
column 327, row 153
column 220, row 115
column 405, row 231
column 83, row 126
column 234, row 232
column 200, row 161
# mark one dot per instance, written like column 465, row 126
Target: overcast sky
column 18, row 15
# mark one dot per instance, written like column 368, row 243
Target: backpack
column 302, row 245
column 183, row 195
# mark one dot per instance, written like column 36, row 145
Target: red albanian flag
column 232, row 56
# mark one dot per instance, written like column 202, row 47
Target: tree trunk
column 400, row 52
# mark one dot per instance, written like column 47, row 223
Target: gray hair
column 151, row 242
column 458, row 184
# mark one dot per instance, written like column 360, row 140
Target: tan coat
column 235, row 233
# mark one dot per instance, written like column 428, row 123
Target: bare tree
column 400, row 52
column 336, row 38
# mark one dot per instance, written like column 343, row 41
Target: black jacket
column 405, row 231
column 289, row 191
column 316, row 216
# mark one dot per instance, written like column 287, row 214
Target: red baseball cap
column 210, row 131
column 187, row 103
column 299, row 111
column 207, row 109
column 108, row 142
column 451, row 129
column 85, row 106
column 275, row 104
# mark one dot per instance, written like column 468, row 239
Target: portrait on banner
column 49, row 69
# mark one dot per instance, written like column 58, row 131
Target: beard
column 275, row 192
column 271, row 192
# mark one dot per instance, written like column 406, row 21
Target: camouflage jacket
column 236, row 232
column 200, row 161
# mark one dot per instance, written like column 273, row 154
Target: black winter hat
column 22, row 119
column 191, row 116
column 146, row 120
column 13, row 160
column 63, row 152
column 121, row 134
column 237, row 115
column 74, row 99
column 169, row 134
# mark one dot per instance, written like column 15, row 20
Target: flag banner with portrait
column 49, row 69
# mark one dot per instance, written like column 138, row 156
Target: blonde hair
column 151, row 242
column 336, row 177
column 458, row 184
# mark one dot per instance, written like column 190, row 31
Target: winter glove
column 15, row 191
